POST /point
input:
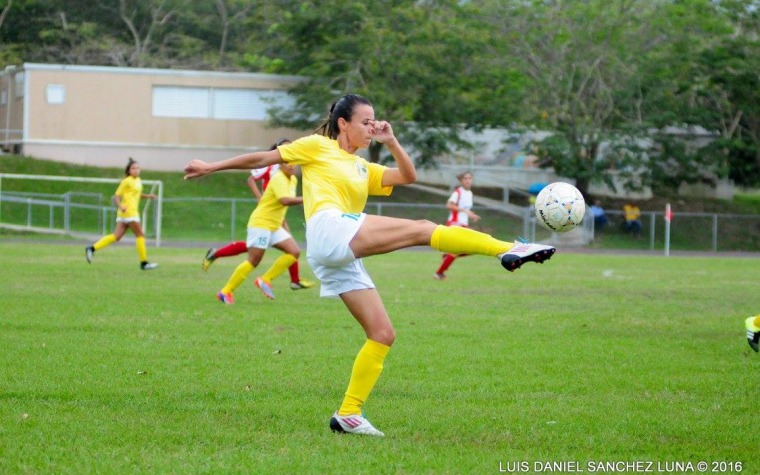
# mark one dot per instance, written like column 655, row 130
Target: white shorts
column 135, row 219
column 261, row 238
column 328, row 234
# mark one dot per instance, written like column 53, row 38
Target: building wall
column 107, row 117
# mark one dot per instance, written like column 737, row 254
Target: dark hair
column 343, row 108
column 461, row 175
column 282, row 141
column 129, row 165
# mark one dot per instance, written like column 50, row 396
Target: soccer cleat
column 208, row 259
column 525, row 252
column 302, row 284
column 225, row 298
column 265, row 287
column 148, row 265
column 753, row 333
column 438, row 276
column 353, row 424
column 88, row 252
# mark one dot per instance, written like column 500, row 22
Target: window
column 217, row 103
column 3, row 98
column 55, row 94
column 192, row 102
column 18, row 85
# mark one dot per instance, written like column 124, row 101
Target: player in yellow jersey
column 127, row 201
column 239, row 247
column 265, row 230
column 753, row 332
column 336, row 183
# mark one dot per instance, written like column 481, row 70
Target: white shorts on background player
column 261, row 238
column 328, row 234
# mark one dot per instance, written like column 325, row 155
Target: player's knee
column 386, row 335
column 425, row 226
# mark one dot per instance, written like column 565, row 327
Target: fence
column 72, row 212
column 221, row 219
column 224, row 218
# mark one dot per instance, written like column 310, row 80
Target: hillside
column 232, row 185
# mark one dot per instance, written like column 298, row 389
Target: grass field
column 587, row 359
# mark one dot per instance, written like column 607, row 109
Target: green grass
column 590, row 358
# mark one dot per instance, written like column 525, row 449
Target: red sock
column 231, row 249
column 448, row 259
column 294, row 273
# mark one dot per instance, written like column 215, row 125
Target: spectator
column 632, row 215
column 600, row 217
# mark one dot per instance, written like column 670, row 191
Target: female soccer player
column 336, row 183
column 265, row 229
column 460, row 214
column 127, row 200
column 264, row 175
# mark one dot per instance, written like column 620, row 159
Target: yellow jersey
column 332, row 177
column 130, row 191
column 631, row 212
column 270, row 213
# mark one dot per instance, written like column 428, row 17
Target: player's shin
column 460, row 240
column 278, row 267
column 365, row 373
column 238, row 276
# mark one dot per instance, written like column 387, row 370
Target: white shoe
column 353, row 424
column 148, row 265
column 525, row 252
column 265, row 287
column 88, row 252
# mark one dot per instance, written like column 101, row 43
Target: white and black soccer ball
column 560, row 207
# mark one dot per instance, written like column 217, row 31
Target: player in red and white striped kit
column 460, row 214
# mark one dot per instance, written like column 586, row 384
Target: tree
column 413, row 61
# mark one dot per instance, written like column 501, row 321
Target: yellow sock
column 106, row 240
column 756, row 322
column 239, row 275
column 459, row 240
column 142, row 251
column 278, row 267
column 367, row 368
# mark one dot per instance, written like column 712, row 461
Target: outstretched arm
column 198, row 168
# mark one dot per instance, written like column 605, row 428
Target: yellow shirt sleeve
column 375, row 183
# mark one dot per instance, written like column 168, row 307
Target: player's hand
column 196, row 169
column 474, row 217
column 383, row 131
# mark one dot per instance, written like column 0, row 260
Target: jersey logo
column 361, row 169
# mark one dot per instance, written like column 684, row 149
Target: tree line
column 597, row 73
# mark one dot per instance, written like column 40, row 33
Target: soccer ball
column 560, row 207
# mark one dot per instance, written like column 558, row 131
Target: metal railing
column 226, row 217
